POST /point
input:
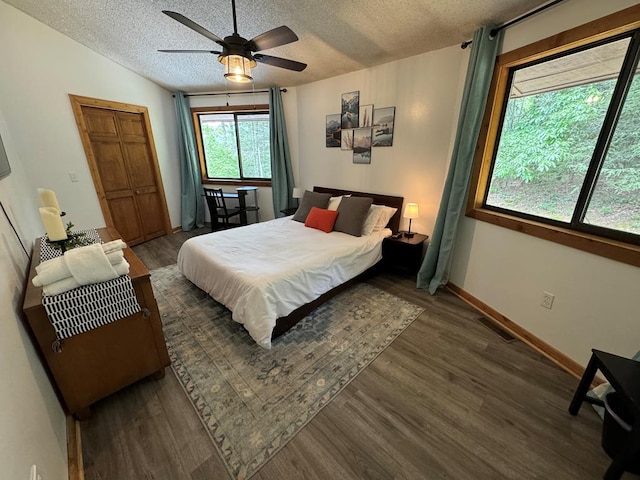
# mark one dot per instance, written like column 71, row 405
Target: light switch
column 73, row 176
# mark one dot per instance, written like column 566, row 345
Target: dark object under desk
column 624, row 376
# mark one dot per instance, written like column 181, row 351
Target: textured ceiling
column 335, row 37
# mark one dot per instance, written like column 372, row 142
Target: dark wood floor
column 448, row 399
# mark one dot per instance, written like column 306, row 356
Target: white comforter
column 266, row 270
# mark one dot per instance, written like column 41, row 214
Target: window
column 234, row 145
column 561, row 157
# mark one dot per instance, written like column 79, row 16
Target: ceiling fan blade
column 280, row 62
column 194, row 26
column 272, row 38
column 215, row 52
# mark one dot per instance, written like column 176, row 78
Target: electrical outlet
column 35, row 475
column 547, row 300
column 73, row 176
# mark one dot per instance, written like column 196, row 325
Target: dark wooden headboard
column 388, row 200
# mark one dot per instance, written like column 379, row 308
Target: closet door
column 139, row 162
column 121, row 156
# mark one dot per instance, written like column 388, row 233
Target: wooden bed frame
column 283, row 324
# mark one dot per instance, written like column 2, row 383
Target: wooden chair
column 218, row 208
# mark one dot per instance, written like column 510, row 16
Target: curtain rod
column 494, row 31
column 283, row 90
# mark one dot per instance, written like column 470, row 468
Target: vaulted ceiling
column 335, row 37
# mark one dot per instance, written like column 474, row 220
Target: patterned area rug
column 251, row 400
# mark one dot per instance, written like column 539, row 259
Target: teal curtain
column 435, row 267
column 192, row 204
column 281, row 173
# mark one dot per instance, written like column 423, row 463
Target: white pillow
column 334, row 202
column 383, row 219
column 371, row 219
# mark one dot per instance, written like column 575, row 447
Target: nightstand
column 289, row 211
column 403, row 253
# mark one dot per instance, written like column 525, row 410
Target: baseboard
column 74, row 449
column 176, row 229
column 553, row 354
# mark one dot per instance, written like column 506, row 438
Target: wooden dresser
column 101, row 361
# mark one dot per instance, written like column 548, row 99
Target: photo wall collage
column 360, row 127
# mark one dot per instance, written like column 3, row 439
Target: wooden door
column 119, row 147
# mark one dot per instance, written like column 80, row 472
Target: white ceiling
column 335, row 37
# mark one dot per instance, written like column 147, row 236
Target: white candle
column 48, row 198
column 53, row 223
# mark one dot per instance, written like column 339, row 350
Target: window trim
column 195, row 112
column 604, row 28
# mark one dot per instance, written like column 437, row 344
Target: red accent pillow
column 321, row 218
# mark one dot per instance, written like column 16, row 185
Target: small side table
column 403, row 253
column 289, row 211
column 624, row 376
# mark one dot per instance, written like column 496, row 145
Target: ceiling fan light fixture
column 237, row 68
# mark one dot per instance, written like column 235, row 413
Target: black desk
column 241, row 195
column 624, row 376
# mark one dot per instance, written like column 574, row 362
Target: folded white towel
column 70, row 283
column 56, row 269
column 113, row 246
column 89, row 264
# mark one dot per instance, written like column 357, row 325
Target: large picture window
column 234, row 146
column 561, row 157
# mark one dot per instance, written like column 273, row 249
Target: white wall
column 425, row 90
column 597, row 300
column 40, row 67
column 32, row 423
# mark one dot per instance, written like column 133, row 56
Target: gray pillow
column 310, row 200
column 352, row 213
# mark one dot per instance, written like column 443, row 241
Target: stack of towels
column 82, row 266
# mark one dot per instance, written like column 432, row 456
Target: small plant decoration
column 73, row 239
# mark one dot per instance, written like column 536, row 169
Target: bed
column 271, row 274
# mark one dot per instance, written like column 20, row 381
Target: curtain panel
column 434, row 271
column 192, row 204
column 281, row 173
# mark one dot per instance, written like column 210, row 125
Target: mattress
column 267, row 270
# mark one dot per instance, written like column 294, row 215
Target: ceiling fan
column 237, row 53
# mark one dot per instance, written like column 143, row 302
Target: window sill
column 615, row 250
column 240, row 183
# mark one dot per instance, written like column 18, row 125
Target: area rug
column 251, row 400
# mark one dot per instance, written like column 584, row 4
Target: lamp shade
column 297, row 192
column 411, row 210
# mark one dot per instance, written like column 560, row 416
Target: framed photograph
column 347, row 139
column 350, row 109
column 362, row 145
column 332, row 130
column 383, row 119
column 365, row 116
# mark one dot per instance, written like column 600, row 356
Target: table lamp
column 410, row 212
column 297, row 193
